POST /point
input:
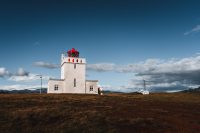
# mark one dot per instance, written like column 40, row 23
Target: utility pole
column 40, row 84
column 144, row 85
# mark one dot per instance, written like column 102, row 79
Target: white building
column 73, row 76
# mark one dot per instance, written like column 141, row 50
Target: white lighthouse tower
column 73, row 69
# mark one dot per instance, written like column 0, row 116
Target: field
column 177, row 112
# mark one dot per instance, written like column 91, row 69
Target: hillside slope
column 92, row 113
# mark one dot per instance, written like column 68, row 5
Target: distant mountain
column 196, row 90
column 44, row 90
column 25, row 91
column 109, row 92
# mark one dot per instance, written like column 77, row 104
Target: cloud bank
column 21, row 79
column 45, row 65
column 20, row 76
column 159, row 74
column 27, row 78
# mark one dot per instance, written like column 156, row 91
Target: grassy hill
column 178, row 112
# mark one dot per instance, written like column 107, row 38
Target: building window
column 74, row 82
column 91, row 88
column 55, row 87
column 75, row 66
column 77, row 60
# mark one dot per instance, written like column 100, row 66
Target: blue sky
column 117, row 37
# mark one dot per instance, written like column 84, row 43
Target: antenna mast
column 144, row 84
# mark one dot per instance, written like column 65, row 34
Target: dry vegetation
column 109, row 113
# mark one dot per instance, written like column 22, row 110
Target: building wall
column 51, row 86
column 92, row 83
column 73, row 69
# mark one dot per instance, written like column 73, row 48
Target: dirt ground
column 158, row 112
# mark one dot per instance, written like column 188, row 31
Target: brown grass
column 109, row 113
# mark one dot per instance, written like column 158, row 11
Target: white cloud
column 194, row 30
column 101, row 67
column 27, row 78
column 22, row 72
column 46, row 65
column 3, row 72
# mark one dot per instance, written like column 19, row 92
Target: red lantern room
column 73, row 53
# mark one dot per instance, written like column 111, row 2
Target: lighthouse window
column 55, row 87
column 91, row 88
column 74, row 66
column 74, row 82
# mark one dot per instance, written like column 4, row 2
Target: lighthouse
column 73, row 76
